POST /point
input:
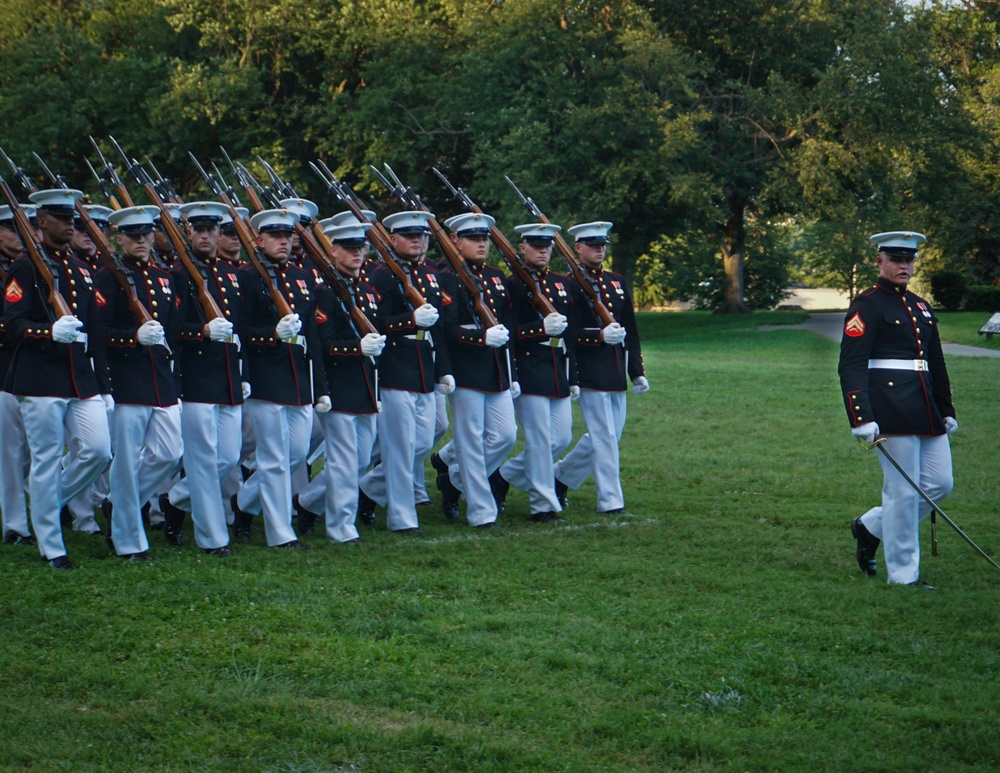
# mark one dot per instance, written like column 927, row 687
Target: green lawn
column 725, row 627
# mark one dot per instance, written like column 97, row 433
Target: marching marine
column 895, row 385
column 604, row 357
column 64, row 398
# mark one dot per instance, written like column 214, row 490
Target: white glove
column 555, row 324
column 220, row 329
column 640, row 385
column 497, row 336
column 288, row 327
column 64, row 329
column 613, row 334
column 446, row 385
column 574, row 392
column 372, row 345
column 950, row 424
column 323, row 405
column 109, row 403
column 150, row 333
column 515, row 389
column 867, row 432
column 425, row 316
column 245, row 388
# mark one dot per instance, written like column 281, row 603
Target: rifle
column 122, row 275
column 44, row 265
column 111, row 177
column 593, row 297
column 380, row 239
column 205, row 299
column 410, row 199
column 505, row 248
column 321, row 251
column 249, row 243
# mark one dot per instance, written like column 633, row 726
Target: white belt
column 898, row 364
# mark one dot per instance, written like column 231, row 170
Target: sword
column 880, row 445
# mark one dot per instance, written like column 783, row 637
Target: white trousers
column 146, row 443
column 484, row 431
column 49, row 423
column 406, row 437
column 548, row 429
column 234, row 481
column 348, row 440
column 927, row 460
column 596, row 453
column 440, row 428
column 283, row 433
column 15, row 462
column 212, row 440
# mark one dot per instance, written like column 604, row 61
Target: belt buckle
column 921, row 365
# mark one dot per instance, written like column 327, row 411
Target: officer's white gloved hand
column 950, row 424
column 288, row 327
column 372, row 345
column 64, row 329
column 109, row 403
column 574, row 392
column 245, row 388
column 220, row 329
column 515, row 390
column 150, row 333
column 613, row 334
column 555, row 324
column 446, row 385
column 640, row 385
column 323, row 405
column 425, row 316
column 497, row 336
column 867, row 432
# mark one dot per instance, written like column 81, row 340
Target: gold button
column 154, row 303
column 891, row 384
column 897, row 321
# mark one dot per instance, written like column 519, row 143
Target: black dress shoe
column 142, row 557
column 490, row 525
column 546, row 517
column 617, row 511
column 867, row 545
column 222, row 552
column 366, row 509
column 414, row 531
column 307, row 518
column 173, row 521
column 63, row 563
column 13, row 538
column 561, row 491
column 241, row 521
column 424, row 503
column 499, row 486
column 106, row 508
column 922, row 584
column 293, row 545
column 449, row 496
column 438, row 464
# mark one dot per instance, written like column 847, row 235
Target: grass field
column 725, row 627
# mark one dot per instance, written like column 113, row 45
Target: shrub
column 949, row 288
column 983, row 298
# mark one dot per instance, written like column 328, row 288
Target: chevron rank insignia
column 14, row 292
column 855, row 327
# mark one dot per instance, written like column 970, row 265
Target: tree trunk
column 733, row 249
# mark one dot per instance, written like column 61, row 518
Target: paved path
column 832, row 326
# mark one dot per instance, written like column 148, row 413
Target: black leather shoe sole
column 867, row 545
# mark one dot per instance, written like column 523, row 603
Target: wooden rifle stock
column 482, row 310
column 603, row 313
column 506, row 250
column 36, row 253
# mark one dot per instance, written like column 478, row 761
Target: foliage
column 690, row 125
column 983, row 298
column 949, row 288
